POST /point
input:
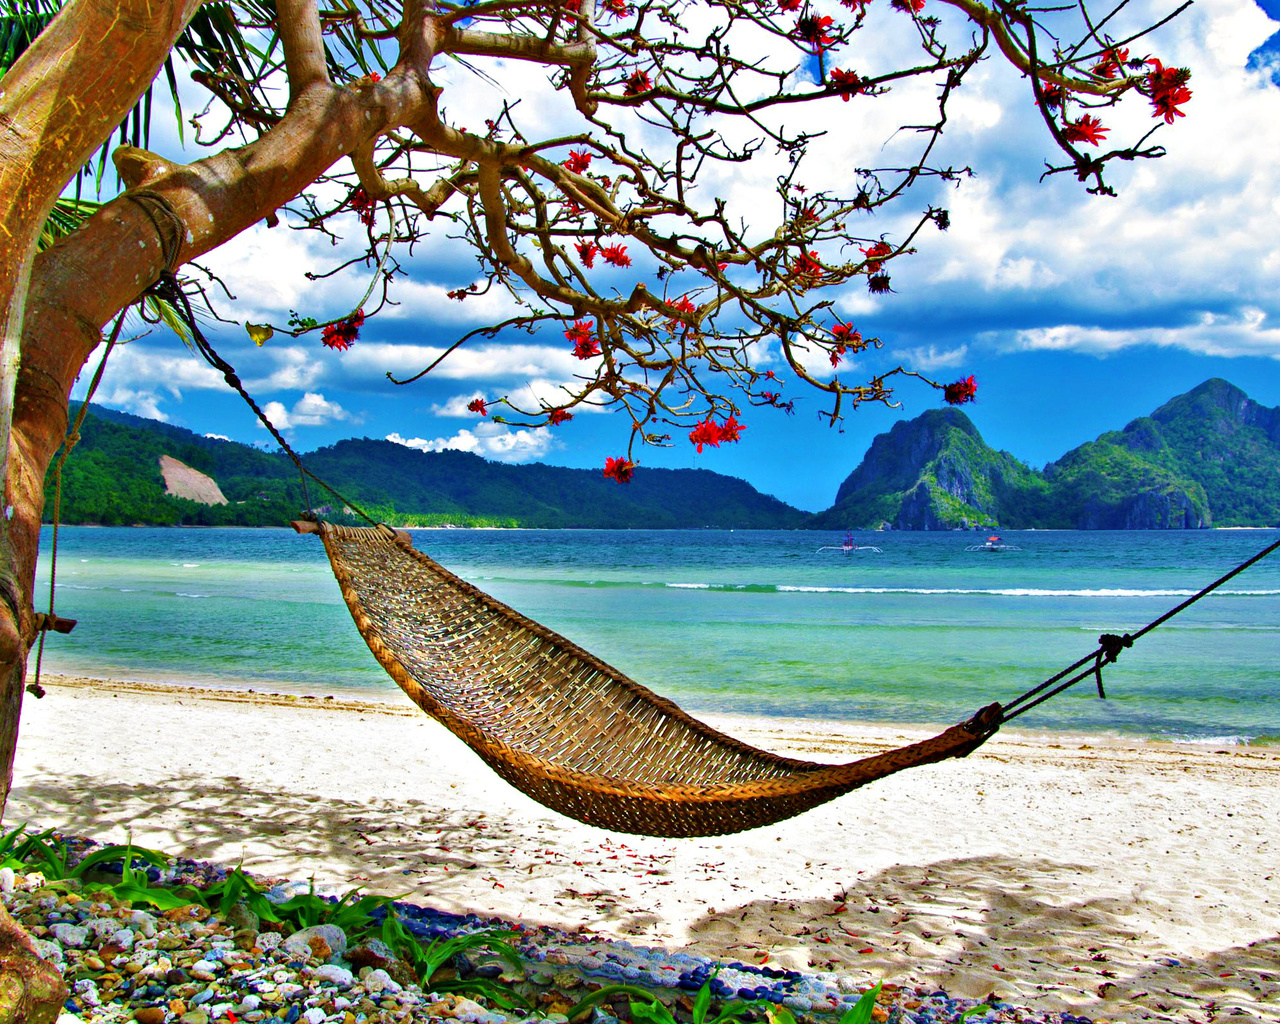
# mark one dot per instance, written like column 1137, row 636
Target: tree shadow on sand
column 1015, row 927
column 972, row 926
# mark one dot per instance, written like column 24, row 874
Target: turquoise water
column 751, row 622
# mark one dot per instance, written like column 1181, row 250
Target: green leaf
column 702, row 1003
column 654, row 1013
column 861, row 1011
column 980, row 1008
column 162, row 899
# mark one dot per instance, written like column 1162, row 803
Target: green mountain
column 113, row 477
column 934, row 473
column 1211, row 456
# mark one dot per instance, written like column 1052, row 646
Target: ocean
column 752, row 621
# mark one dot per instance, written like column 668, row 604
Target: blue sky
column 1075, row 313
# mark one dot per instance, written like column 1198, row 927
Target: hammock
column 568, row 730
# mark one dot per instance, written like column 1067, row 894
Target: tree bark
column 61, row 100
column 31, row 989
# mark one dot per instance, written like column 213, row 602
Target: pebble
column 188, row 967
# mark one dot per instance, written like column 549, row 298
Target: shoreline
column 393, row 698
column 1123, row 881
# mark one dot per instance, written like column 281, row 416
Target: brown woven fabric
column 565, row 728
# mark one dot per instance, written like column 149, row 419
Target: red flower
column 558, row 416
column 706, row 432
column 910, row 6
column 617, row 7
column 846, row 84
column 584, row 343
column 587, row 253
column 615, row 254
column 341, row 334
column 846, row 335
column 578, row 162
column 806, row 265
column 878, row 284
column 1053, row 96
column 1168, row 88
column 875, row 255
column 1113, row 59
column 789, row 5
column 961, row 391
column 812, row 29
column 731, row 430
column 478, row 405
column 637, row 83
column 363, row 206
column 836, row 353
column 1088, row 129
column 619, row 469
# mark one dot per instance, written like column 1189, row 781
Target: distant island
column 1210, row 457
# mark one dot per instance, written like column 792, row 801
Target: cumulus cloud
column 218, row 437
column 311, row 410
column 139, row 378
column 931, row 357
column 1249, row 333
column 490, row 440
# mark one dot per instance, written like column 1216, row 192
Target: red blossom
column 587, row 253
column 1053, row 95
column 618, row 8
column 1088, row 129
column 812, row 30
column 478, row 405
column 875, row 255
column 558, row 416
column 859, row 7
column 615, row 254
column 960, row 391
column 1113, row 59
column 846, row 335
column 1168, row 88
column 363, row 206
column 790, row 6
column 578, row 161
column 877, row 284
column 585, row 344
column 910, row 6
column 637, row 83
column 806, row 265
column 836, row 353
column 706, row 432
column 341, row 334
column 620, row 469
column 846, row 84
column 685, row 306
column 731, row 430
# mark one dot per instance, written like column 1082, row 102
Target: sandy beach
column 1120, row 880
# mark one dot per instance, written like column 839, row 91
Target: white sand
column 1067, row 873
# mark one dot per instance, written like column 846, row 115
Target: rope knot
column 1109, row 648
column 1112, row 645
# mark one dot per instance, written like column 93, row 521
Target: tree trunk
column 31, row 989
column 61, row 101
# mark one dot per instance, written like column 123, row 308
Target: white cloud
column 218, row 437
column 491, row 440
column 311, row 410
column 139, row 378
column 930, row 357
column 457, row 405
column 479, row 361
column 1249, row 333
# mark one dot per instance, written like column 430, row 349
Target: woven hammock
column 565, row 728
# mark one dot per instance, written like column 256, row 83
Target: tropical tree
column 335, row 120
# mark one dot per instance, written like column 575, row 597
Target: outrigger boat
column 993, row 543
column 848, row 546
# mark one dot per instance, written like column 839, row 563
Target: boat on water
column 848, row 546
column 993, row 543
